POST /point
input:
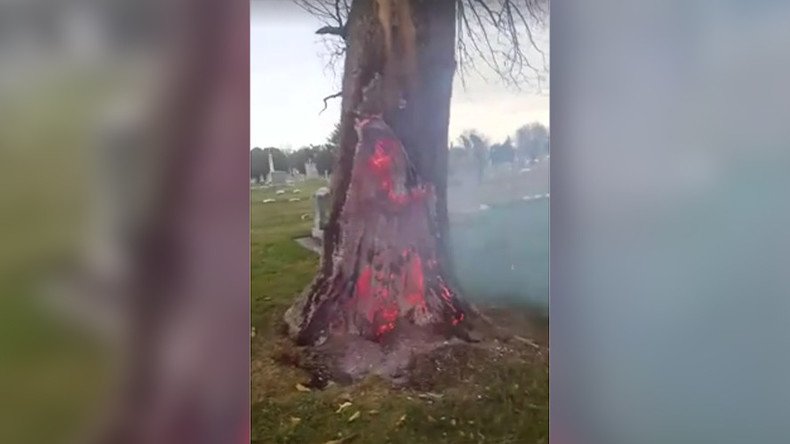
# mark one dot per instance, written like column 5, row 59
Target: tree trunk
column 385, row 253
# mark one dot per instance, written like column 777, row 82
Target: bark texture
column 384, row 257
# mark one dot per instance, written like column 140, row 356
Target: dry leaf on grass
column 354, row 416
column 302, row 388
column 342, row 407
column 342, row 440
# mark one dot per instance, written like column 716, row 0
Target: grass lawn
column 497, row 397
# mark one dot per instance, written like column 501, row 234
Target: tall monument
column 275, row 177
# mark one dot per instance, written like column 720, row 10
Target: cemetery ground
column 495, row 391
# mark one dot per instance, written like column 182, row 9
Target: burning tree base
column 386, row 273
column 350, row 358
column 417, row 357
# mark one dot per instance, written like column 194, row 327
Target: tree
column 334, row 137
column 478, row 146
column 385, row 262
column 297, row 159
column 457, row 160
column 532, row 140
column 279, row 159
column 324, row 159
column 259, row 164
column 503, row 153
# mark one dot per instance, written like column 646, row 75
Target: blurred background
column 69, row 77
column 669, row 290
column 107, row 116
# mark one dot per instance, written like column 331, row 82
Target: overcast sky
column 289, row 78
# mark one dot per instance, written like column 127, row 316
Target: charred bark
column 385, row 252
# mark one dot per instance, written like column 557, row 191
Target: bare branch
column 500, row 34
column 331, row 12
column 334, row 15
column 332, row 30
column 327, row 98
column 494, row 20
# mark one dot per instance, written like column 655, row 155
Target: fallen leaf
column 400, row 420
column 342, row 440
column 354, row 416
column 302, row 388
column 342, row 406
column 295, row 420
column 373, row 412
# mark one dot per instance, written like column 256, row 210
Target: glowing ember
column 392, row 285
column 381, row 160
column 363, row 282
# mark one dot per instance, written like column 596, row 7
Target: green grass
column 482, row 400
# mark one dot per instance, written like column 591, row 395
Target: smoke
column 499, row 233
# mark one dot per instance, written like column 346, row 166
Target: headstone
column 278, row 177
column 321, row 208
column 311, row 172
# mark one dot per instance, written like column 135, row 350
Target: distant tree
column 532, row 140
column 324, row 159
column 457, row 159
column 503, row 153
column 334, row 137
column 297, row 159
column 476, row 144
column 259, row 164
column 279, row 158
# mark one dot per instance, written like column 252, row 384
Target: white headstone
column 310, row 170
column 321, row 209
